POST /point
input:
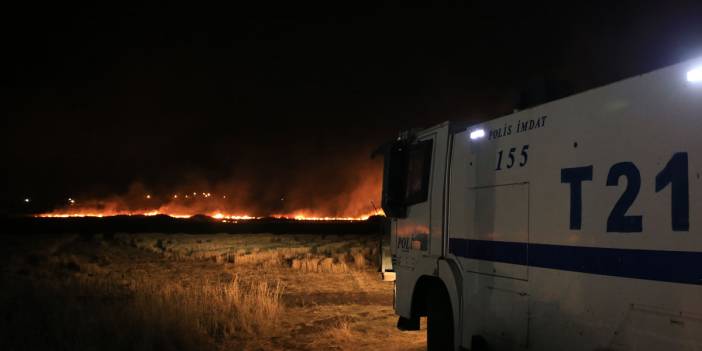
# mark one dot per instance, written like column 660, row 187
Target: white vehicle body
column 574, row 225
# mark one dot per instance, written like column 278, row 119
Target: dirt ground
column 179, row 292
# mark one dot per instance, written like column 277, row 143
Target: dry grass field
column 196, row 292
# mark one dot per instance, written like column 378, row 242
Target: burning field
column 197, row 292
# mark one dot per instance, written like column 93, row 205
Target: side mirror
column 395, row 179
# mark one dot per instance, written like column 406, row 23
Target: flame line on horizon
column 215, row 215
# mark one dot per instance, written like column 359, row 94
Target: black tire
column 439, row 320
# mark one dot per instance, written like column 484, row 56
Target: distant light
column 477, row 134
column 695, row 76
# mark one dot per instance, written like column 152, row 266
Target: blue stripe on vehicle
column 668, row 266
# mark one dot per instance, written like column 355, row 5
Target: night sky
column 288, row 100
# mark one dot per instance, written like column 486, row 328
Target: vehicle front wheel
column 439, row 320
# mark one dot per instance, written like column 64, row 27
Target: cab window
column 418, row 171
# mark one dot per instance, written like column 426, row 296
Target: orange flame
column 301, row 215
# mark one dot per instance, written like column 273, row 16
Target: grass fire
column 354, row 202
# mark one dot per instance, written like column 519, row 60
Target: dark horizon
column 289, row 102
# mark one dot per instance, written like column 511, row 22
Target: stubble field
column 197, row 292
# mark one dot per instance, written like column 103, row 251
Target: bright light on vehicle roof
column 695, row 76
column 477, row 134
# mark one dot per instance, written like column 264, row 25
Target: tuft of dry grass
column 221, row 310
column 341, row 332
column 313, row 264
column 359, row 260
